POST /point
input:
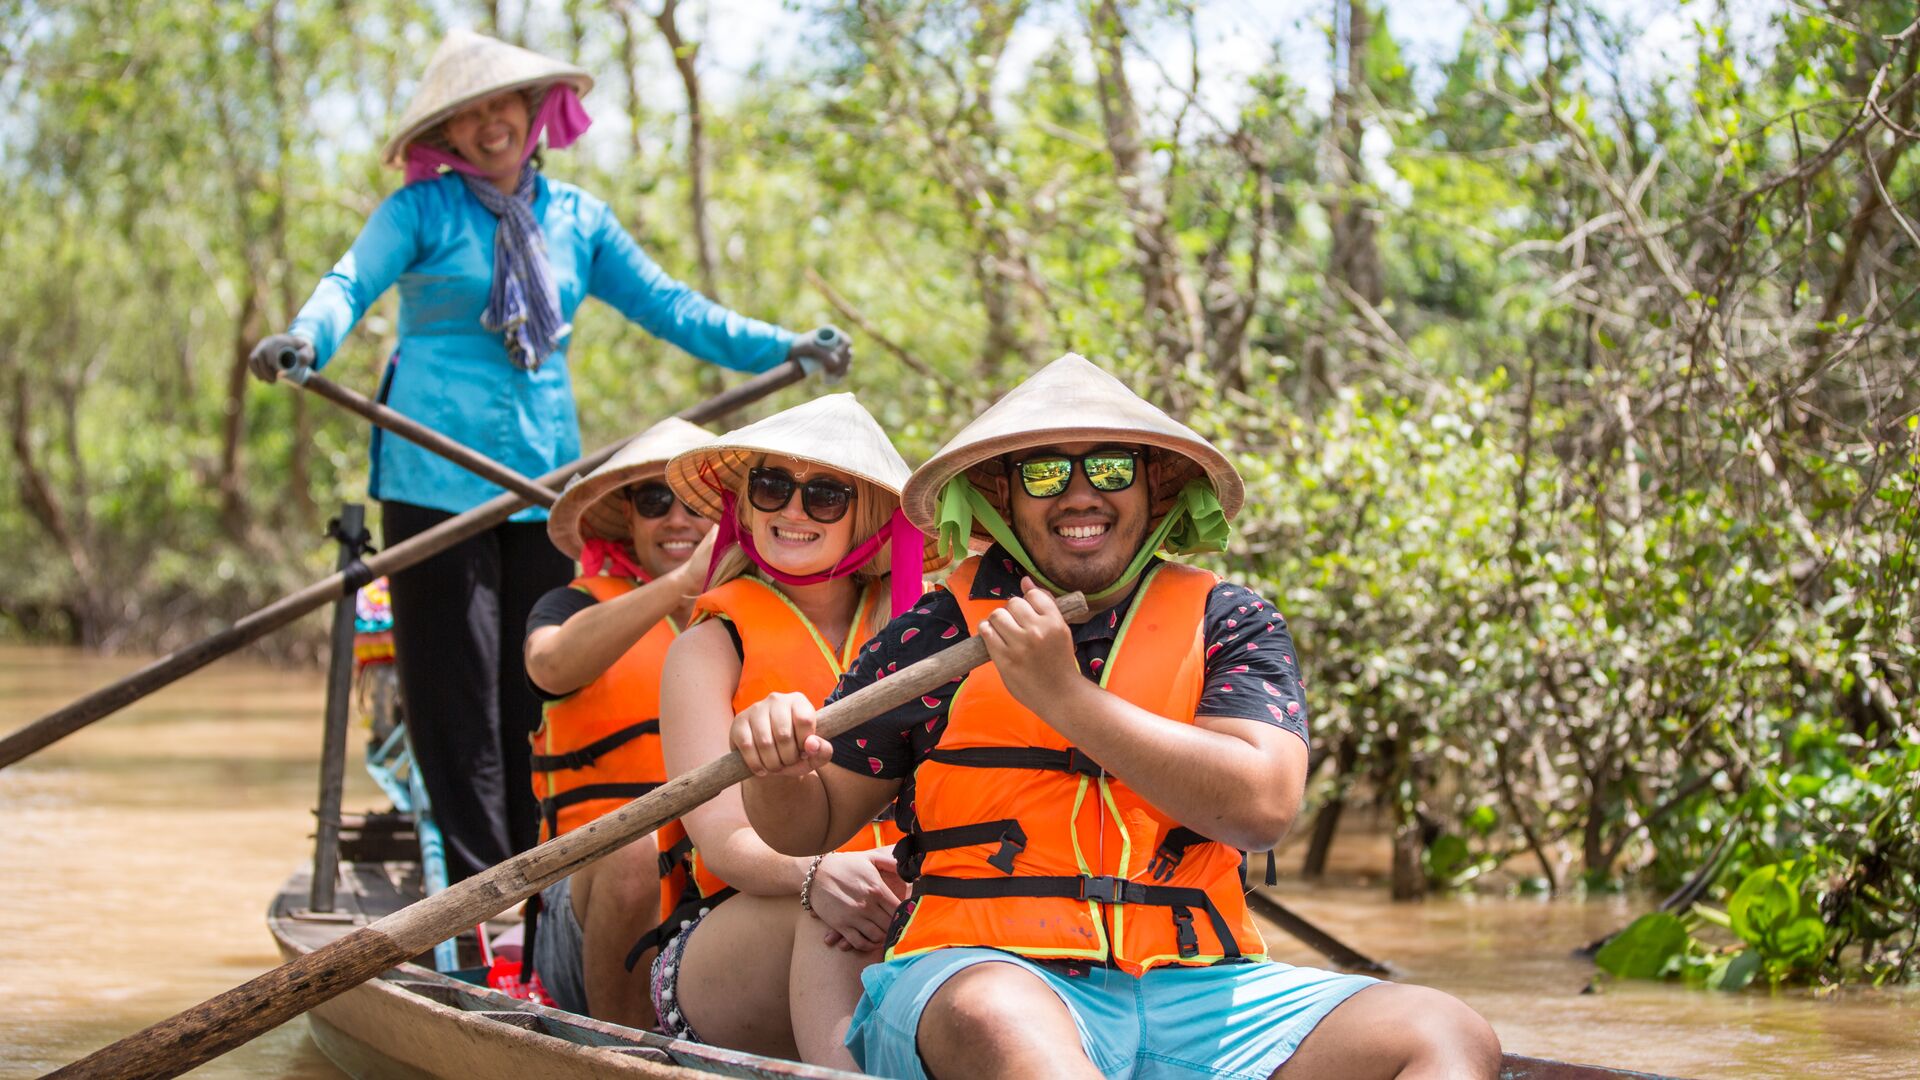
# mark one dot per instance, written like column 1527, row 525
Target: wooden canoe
column 414, row 1023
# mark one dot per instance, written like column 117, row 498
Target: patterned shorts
column 666, row 982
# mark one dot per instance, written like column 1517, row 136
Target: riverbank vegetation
column 1576, row 391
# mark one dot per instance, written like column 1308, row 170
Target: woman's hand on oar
column 775, row 736
column 266, row 361
column 236, row 1017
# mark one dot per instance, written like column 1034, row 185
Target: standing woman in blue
column 492, row 260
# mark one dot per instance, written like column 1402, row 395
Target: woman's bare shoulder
column 704, row 645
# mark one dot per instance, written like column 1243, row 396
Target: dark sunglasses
column 654, row 500
column 825, row 501
column 1049, row 475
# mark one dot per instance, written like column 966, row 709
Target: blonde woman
column 812, row 556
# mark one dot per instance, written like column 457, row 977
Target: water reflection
column 142, row 852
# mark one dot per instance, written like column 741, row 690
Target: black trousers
column 459, row 624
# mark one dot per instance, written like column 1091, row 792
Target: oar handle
column 215, row 1026
column 292, row 367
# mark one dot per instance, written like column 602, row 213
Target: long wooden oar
column 216, row 1026
column 413, row 431
column 1312, row 936
column 60, row 723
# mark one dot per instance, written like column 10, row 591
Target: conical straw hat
column 1069, row 401
column 833, row 430
column 590, row 506
column 466, row 68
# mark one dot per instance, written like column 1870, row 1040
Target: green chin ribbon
column 1196, row 523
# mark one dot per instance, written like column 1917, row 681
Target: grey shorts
column 557, row 942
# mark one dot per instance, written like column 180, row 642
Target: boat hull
column 413, row 1023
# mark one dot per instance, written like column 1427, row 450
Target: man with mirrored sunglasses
column 594, row 652
column 1077, row 812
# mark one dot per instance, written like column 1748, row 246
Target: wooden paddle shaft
column 1313, row 936
column 217, row 1025
column 109, row 699
column 413, row 431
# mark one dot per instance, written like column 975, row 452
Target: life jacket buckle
column 1183, row 934
column 1173, row 847
column 1013, row 841
column 671, row 858
column 1162, row 865
column 1112, row 890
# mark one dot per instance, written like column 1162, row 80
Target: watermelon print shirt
column 1252, row 671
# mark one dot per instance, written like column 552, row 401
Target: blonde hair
column 873, row 507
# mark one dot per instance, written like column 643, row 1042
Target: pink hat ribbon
column 907, row 548
column 561, row 116
column 598, row 554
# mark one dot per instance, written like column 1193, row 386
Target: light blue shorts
column 1234, row 1020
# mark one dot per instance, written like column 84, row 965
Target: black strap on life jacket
column 595, row 750
column 911, row 849
column 1072, row 759
column 684, row 912
column 1173, row 847
column 550, row 808
column 1104, row 890
column 670, row 858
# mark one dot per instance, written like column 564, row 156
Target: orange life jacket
column 600, row 745
column 781, row 652
column 1023, row 843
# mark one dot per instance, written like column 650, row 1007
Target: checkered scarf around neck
column 524, row 304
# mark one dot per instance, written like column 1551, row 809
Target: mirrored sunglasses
column 1049, row 475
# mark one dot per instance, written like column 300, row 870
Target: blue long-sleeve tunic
column 435, row 241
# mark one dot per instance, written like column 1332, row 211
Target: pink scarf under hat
column 561, row 116
column 907, row 549
column 598, row 554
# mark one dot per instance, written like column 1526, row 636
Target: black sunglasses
column 825, row 501
column 1049, row 475
column 654, row 499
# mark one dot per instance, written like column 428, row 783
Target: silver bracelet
column 806, row 887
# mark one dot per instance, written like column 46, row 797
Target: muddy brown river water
column 139, row 857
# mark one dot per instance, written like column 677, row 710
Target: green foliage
column 1772, row 914
column 1650, row 947
column 1577, row 416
